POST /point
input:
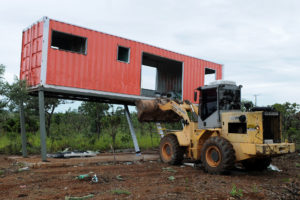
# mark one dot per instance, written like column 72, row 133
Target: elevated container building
column 73, row 62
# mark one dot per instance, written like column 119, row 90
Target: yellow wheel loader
column 216, row 131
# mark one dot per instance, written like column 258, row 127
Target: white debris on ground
column 189, row 164
column 274, row 168
column 73, row 154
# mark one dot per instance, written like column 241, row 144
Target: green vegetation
column 93, row 126
column 255, row 188
column 236, row 192
column 286, row 180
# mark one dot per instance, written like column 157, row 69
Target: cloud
column 257, row 41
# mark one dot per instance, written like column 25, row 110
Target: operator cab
column 215, row 98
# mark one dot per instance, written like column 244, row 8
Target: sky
column 257, row 41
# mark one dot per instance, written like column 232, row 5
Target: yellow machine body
column 247, row 143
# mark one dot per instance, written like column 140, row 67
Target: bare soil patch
column 142, row 179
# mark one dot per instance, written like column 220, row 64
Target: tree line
column 93, row 126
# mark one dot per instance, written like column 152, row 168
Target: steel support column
column 42, row 125
column 160, row 130
column 136, row 145
column 23, row 132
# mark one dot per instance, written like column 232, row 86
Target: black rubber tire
column 225, row 151
column 257, row 164
column 176, row 152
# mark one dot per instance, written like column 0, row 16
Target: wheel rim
column 213, row 156
column 167, row 151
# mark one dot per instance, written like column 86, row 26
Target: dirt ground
column 147, row 180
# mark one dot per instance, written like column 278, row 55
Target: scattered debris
column 118, row 191
column 23, row 169
column 72, row 154
column 95, row 179
column 128, row 163
column 22, row 186
column 169, row 169
column 190, row 164
column 171, row 178
column 83, row 176
column 274, row 168
column 79, row 198
column 120, row 178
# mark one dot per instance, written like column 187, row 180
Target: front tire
column 217, row 155
column 170, row 151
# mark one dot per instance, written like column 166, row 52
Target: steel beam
column 132, row 132
column 23, row 132
column 42, row 125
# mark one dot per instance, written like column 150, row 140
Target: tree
column 50, row 105
column 2, row 102
column 95, row 112
column 17, row 94
column 113, row 122
column 289, row 113
column 246, row 105
column 3, row 113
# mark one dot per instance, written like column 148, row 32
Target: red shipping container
column 73, row 62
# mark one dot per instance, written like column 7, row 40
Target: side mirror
column 195, row 95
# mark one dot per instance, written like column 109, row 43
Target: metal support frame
column 23, row 132
column 135, row 143
column 42, row 124
column 160, row 130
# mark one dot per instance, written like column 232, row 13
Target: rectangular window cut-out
column 210, row 76
column 236, row 127
column 123, row 54
column 148, row 79
column 68, row 42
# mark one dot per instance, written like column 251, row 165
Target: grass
column 10, row 143
column 235, row 192
column 255, row 188
column 286, row 180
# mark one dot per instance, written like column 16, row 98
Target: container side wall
column 100, row 70
column 31, row 55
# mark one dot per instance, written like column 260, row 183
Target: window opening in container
column 210, row 76
column 68, row 42
column 167, row 79
column 148, row 79
column 123, row 54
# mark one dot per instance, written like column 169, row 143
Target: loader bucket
column 149, row 111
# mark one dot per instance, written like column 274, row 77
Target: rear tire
column 257, row 164
column 217, row 155
column 170, row 151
